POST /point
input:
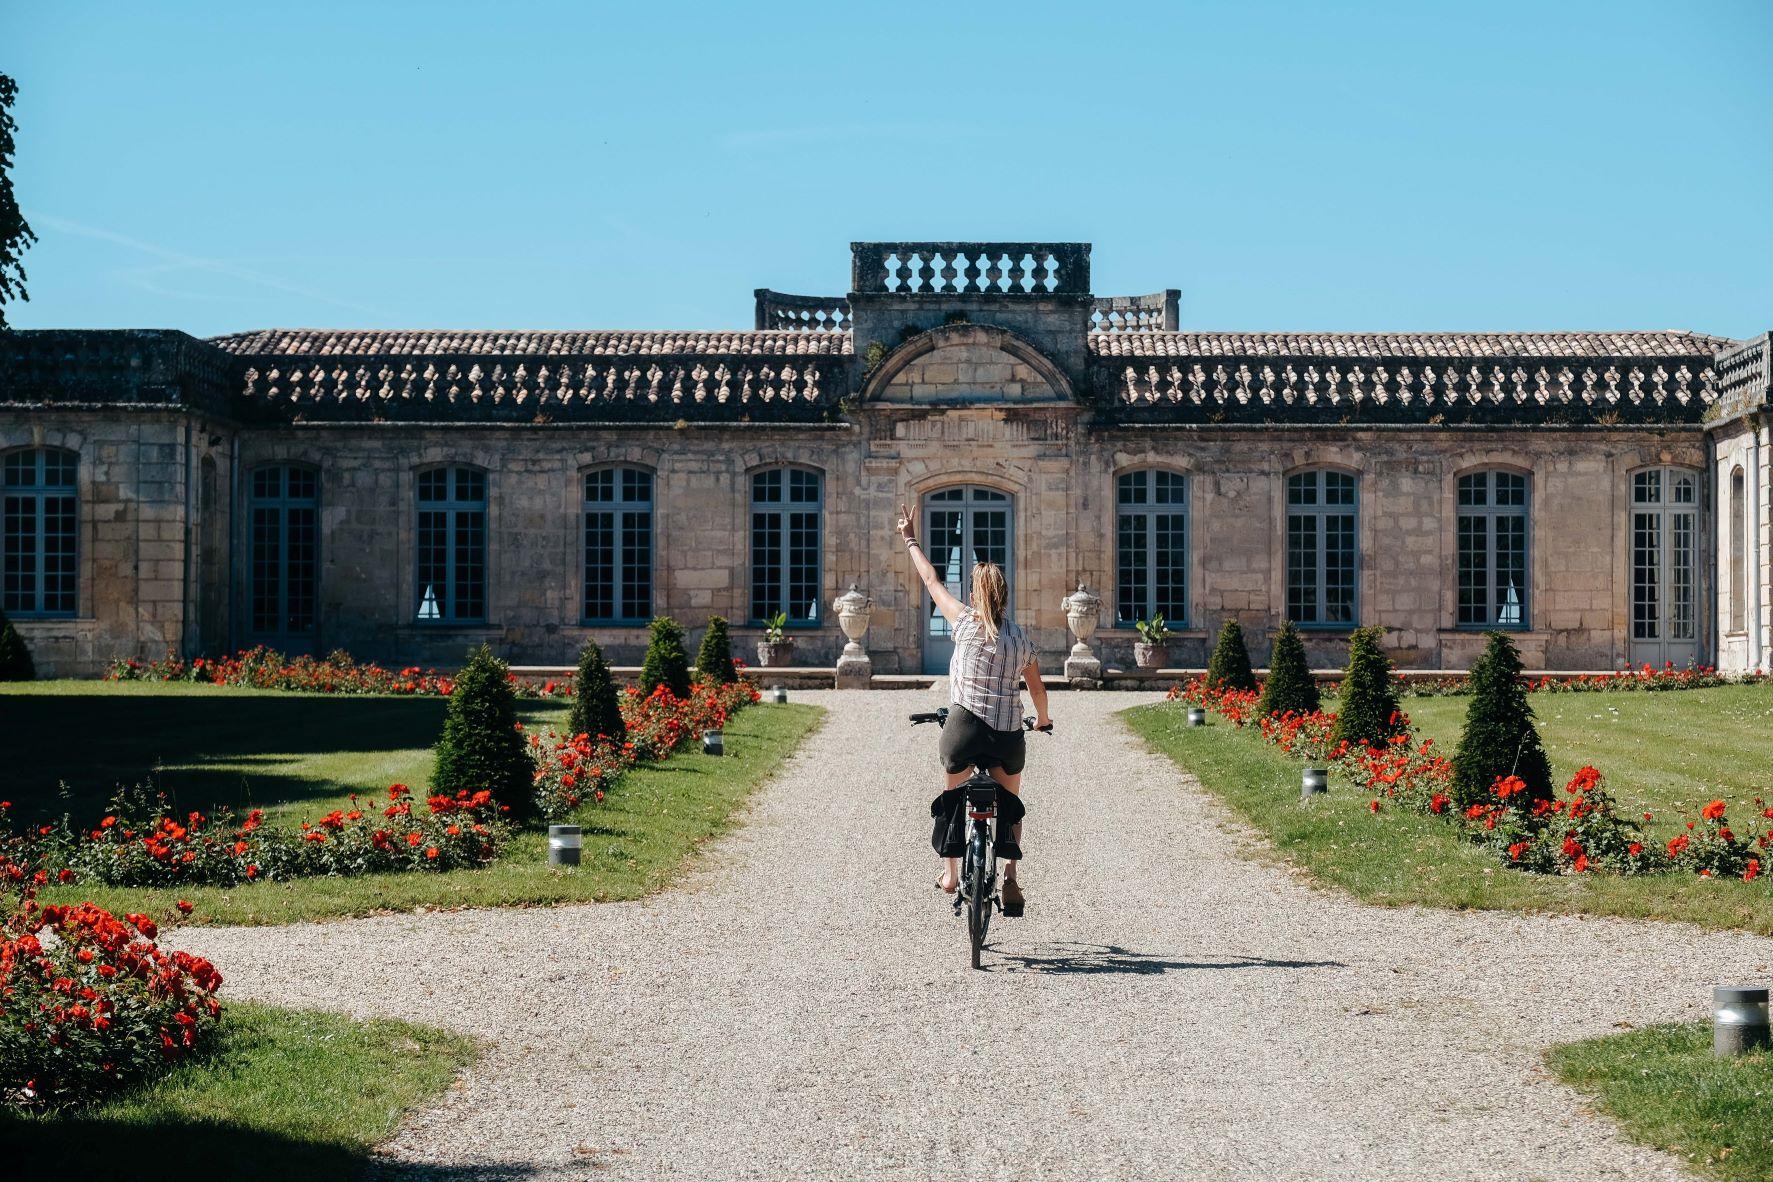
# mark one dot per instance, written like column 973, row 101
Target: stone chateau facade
column 1607, row 496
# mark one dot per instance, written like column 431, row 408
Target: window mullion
column 1321, row 524
column 281, row 513
column 38, row 567
column 449, row 565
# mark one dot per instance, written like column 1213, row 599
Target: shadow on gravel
column 1107, row 958
column 384, row 1170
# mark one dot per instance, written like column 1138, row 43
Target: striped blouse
column 984, row 676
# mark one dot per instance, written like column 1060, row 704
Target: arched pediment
column 966, row 364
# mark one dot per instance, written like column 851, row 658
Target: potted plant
column 776, row 649
column 1152, row 650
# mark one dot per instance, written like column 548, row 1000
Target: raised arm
column 944, row 600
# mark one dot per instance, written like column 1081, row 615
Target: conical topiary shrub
column 1499, row 737
column 1290, row 685
column 481, row 746
column 1368, row 711
column 15, row 658
column 714, row 660
column 596, row 704
column 1229, row 666
column 666, row 663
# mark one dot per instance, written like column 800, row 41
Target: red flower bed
column 1582, row 832
column 337, row 673
column 137, row 843
column 1645, row 678
column 571, row 769
column 88, row 1002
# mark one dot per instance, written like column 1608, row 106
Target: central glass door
column 961, row 526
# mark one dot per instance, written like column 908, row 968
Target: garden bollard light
column 712, row 743
column 1739, row 1019
column 1197, row 716
column 563, row 845
column 1315, row 782
column 779, row 694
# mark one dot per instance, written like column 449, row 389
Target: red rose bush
column 337, row 673
column 573, row 769
column 89, row 1003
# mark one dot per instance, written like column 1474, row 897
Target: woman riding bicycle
column 991, row 654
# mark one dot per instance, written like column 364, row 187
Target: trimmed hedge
column 714, row 659
column 1499, row 737
column 596, row 708
column 666, row 663
column 1368, row 712
column 1290, row 685
column 15, row 658
column 1229, row 666
column 481, row 746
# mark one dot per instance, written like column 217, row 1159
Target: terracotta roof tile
column 308, row 342
column 1425, row 345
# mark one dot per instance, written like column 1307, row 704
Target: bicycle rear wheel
column 978, row 884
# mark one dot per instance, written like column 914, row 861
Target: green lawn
column 1667, row 753
column 638, row 840
column 294, row 755
column 282, row 1096
column 1665, row 1089
column 1401, row 858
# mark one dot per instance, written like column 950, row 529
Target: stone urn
column 1083, row 611
column 855, row 611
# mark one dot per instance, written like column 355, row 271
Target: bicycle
column 978, row 868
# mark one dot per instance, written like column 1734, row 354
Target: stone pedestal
column 854, row 612
column 1083, row 611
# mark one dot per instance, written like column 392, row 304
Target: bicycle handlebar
column 941, row 716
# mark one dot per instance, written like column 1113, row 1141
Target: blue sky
column 1408, row 166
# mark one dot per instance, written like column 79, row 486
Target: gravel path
column 1167, row 1008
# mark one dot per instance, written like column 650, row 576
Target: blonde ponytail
column 991, row 595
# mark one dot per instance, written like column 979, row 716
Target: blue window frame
column 787, row 507
column 1151, row 547
column 39, row 532
column 1492, row 536
column 618, row 539
column 1322, row 549
column 450, row 546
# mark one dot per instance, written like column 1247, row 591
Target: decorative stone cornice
column 1315, row 389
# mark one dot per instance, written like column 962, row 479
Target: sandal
column 1013, row 899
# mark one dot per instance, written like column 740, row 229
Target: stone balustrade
column 1745, row 375
column 1157, row 312
column 962, row 268
column 507, row 389
column 777, row 312
column 1304, row 388
column 114, row 366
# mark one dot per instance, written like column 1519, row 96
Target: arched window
column 1492, row 532
column 450, row 546
column 283, row 518
column 618, row 523
column 1321, row 549
column 786, row 508
column 39, row 532
column 1151, row 546
column 1738, row 589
